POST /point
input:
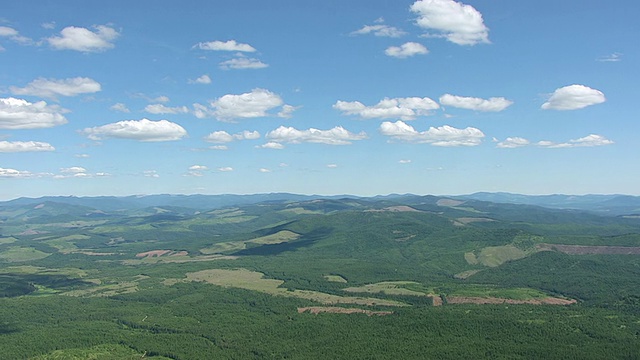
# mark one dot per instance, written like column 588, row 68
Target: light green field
column 300, row 211
column 231, row 246
column 99, row 352
column 7, row 240
column 28, row 269
column 176, row 259
column 466, row 274
column 388, row 288
column 471, row 258
column 252, row 280
column 493, row 256
column 335, row 278
column 492, row 292
column 19, row 254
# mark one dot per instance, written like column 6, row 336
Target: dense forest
column 298, row 278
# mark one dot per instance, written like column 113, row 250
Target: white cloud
column 271, row 145
column 332, row 166
column 25, row 146
column 437, row 136
column 513, row 142
column 120, row 107
column 458, row 23
column 82, row 156
column 224, row 137
column 21, row 114
column 406, row 50
column 242, row 63
column 403, row 108
column 573, row 97
column 287, row 111
column 615, row 57
column 50, row 25
column 198, row 167
column 248, row 105
column 264, row 170
column 219, row 147
column 230, row 45
column 14, row 36
column 225, row 169
column 473, row 103
column 151, row 173
column 84, row 40
column 161, row 109
column 160, row 99
column 141, row 130
column 587, row 141
column 380, row 30
column 13, row 173
column 52, row 88
column 405, row 161
column 335, row 136
column 73, row 170
column 204, row 79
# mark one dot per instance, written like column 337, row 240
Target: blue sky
column 318, row 97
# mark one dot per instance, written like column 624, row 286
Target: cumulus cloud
column 242, row 63
column 141, row 130
column 150, row 173
column 287, row 111
column 196, row 170
column 573, row 97
column 225, row 137
column 271, row 145
column 13, row 173
column 73, row 170
column 264, row 170
column 120, row 107
column 335, row 136
column 332, row 166
column 513, row 142
column 219, row 147
column 25, row 146
column 161, row 109
column 406, row 50
column 52, row 88
column 21, row 114
column 587, row 141
column 85, row 40
column 204, row 79
column 13, row 35
column 437, row 136
column 225, row 169
column 473, row 103
column 458, row 23
column 380, row 30
column 230, row 45
column 198, row 167
column 403, row 108
column 405, row 161
column 248, row 105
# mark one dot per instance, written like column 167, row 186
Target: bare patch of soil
column 436, row 300
column 152, row 253
column 493, row 300
column 590, row 250
column 340, row 310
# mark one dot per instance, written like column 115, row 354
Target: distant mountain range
column 609, row 205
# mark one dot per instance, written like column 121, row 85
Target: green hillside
column 398, row 277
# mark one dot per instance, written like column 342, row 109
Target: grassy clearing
column 233, row 246
column 335, row 278
column 252, row 280
column 19, row 254
column 178, row 259
column 388, row 288
column 37, row 270
column 300, row 211
column 466, row 274
column 493, row 256
column 502, row 293
column 99, row 352
column 123, row 287
column 7, row 240
column 471, row 258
